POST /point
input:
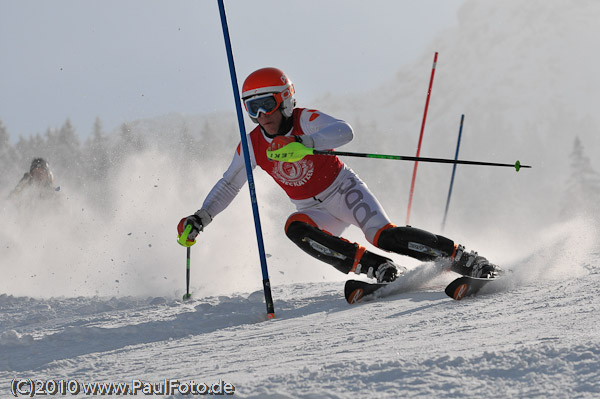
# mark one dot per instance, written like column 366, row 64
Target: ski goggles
column 267, row 104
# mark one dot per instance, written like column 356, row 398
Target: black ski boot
column 384, row 273
column 473, row 265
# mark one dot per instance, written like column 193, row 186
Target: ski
column 466, row 286
column 408, row 280
column 414, row 280
column 355, row 290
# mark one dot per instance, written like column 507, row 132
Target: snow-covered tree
column 583, row 187
column 97, row 152
column 8, row 158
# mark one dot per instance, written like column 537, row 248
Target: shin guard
column 416, row 243
column 343, row 255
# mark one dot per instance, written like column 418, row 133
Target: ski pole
column 183, row 240
column 294, row 152
column 187, row 294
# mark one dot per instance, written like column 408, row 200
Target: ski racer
column 328, row 195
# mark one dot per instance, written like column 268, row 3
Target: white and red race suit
column 321, row 186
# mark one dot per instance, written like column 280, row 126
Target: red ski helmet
column 262, row 83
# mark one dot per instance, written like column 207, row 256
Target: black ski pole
column 183, row 240
column 187, row 294
column 296, row 151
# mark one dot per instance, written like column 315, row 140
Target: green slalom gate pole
column 294, row 152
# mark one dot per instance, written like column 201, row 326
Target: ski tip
column 355, row 296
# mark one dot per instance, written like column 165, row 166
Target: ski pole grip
column 292, row 152
column 183, row 238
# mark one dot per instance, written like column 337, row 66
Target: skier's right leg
column 342, row 254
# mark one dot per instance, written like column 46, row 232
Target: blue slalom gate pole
column 462, row 119
column 244, row 145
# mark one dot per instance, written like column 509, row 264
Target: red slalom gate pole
column 414, row 176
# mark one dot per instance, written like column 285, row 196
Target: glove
column 281, row 141
column 198, row 220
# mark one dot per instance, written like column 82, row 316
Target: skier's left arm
column 24, row 182
column 324, row 132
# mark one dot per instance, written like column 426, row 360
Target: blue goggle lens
column 257, row 105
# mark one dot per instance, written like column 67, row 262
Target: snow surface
column 535, row 335
column 93, row 292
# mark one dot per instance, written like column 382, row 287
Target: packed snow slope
column 534, row 335
column 90, row 291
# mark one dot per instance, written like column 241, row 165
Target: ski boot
column 384, row 273
column 471, row 264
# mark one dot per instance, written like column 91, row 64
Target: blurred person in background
column 35, row 184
